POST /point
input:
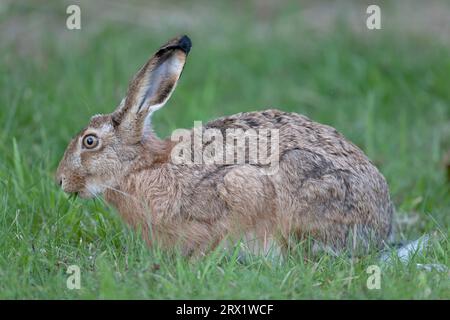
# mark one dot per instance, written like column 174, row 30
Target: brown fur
column 325, row 187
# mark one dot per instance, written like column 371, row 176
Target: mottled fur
column 325, row 187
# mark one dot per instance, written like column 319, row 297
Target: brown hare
column 324, row 187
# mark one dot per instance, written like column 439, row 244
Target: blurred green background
column 386, row 90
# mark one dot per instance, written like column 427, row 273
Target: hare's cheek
column 94, row 189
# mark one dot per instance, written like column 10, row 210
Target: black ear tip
column 185, row 44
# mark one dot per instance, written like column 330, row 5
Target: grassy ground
column 388, row 91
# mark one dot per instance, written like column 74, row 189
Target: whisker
column 119, row 191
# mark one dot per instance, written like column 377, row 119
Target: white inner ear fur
column 172, row 66
column 147, row 122
column 158, row 76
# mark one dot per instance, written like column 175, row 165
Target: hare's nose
column 60, row 179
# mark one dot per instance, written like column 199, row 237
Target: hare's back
column 296, row 131
column 267, row 119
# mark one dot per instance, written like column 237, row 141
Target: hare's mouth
column 86, row 191
column 73, row 195
column 78, row 194
column 83, row 193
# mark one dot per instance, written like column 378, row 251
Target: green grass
column 387, row 91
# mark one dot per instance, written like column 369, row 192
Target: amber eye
column 90, row 141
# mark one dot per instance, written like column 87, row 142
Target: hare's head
column 109, row 146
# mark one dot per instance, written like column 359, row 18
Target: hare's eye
column 90, row 141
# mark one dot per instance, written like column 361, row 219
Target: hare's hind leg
column 312, row 198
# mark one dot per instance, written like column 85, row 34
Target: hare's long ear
column 150, row 88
